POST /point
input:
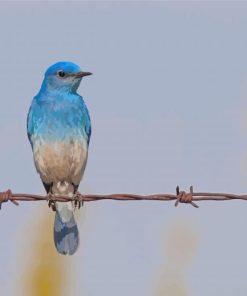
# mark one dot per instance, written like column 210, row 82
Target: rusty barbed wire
column 180, row 197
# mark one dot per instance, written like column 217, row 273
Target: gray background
column 168, row 106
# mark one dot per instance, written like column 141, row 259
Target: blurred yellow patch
column 45, row 272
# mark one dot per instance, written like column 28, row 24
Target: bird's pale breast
column 58, row 161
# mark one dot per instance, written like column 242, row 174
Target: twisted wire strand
column 180, row 197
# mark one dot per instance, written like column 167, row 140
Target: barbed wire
column 180, row 197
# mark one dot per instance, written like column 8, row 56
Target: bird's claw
column 77, row 201
column 51, row 201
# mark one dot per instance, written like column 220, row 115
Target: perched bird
column 59, row 130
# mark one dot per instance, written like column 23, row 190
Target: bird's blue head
column 63, row 76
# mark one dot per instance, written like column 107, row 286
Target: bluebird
column 59, row 130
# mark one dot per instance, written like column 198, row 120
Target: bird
column 59, row 131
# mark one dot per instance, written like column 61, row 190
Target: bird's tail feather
column 66, row 235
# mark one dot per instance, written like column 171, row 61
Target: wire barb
column 183, row 197
column 5, row 196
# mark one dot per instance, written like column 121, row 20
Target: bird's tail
column 66, row 235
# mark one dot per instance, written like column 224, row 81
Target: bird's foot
column 77, row 200
column 51, row 201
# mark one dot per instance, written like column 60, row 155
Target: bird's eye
column 61, row 74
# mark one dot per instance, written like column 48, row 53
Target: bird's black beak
column 82, row 74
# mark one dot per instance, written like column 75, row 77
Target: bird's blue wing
column 30, row 124
column 86, row 121
column 34, row 118
column 88, row 128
